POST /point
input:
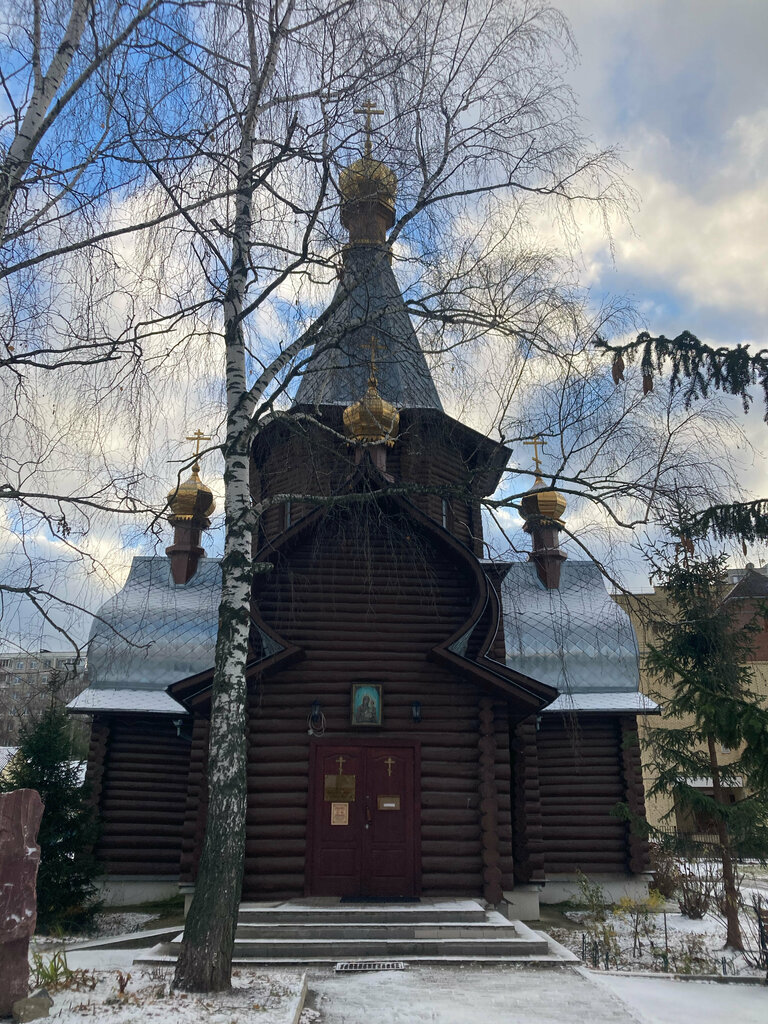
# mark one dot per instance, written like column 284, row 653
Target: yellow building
column 751, row 593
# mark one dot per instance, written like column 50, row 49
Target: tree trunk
column 733, row 937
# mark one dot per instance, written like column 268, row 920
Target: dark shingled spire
column 372, row 302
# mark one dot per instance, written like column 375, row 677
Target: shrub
column 665, row 870
column 65, row 882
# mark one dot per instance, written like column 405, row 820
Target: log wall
column 143, row 797
column 364, row 607
column 305, row 460
column 581, row 779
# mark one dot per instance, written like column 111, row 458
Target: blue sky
column 681, row 86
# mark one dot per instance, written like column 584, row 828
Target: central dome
column 368, row 180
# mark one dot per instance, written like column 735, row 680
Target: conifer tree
column 65, row 887
column 701, row 656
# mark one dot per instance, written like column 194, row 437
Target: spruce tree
column 701, row 655
column 65, row 887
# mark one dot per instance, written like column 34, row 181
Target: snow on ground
column 503, row 995
column 666, row 1001
column 105, row 925
column 257, row 997
column 493, row 994
column 694, row 946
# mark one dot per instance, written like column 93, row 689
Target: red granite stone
column 20, row 814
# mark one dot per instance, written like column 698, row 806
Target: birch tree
column 226, row 151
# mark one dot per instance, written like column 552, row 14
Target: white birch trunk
column 205, row 959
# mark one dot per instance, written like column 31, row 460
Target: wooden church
column 423, row 721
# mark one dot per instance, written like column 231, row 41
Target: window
column 725, row 750
column 445, row 513
column 19, row 664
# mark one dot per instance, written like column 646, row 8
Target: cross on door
column 340, row 762
column 389, row 762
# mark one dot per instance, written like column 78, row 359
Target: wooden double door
column 362, row 827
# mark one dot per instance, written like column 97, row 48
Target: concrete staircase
column 326, row 931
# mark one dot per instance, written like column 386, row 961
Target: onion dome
column 372, row 419
column 191, row 499
column 544, row 504
column 368, row 180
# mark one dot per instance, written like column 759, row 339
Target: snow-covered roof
column 155, row 632
column 631, row 703
column 145, row 701
column 575, row 637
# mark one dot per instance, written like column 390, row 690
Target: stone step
column 386, row 931
column 300, row 950
column 494, row 927
column 356, row 913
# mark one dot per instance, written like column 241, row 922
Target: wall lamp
column 416, row 711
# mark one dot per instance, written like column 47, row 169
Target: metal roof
column 339, row 370
column 147, row 701
column 155, row 632
column 631, row 703
column 575, row 638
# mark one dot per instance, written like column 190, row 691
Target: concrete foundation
column 129, row 890
column 560, row 888
column 522, row 903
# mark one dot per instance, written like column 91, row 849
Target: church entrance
column 362, row 821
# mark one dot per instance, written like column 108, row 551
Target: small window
column 725, row 750
column 445, row 513
column 19, row 664
column 45, row 678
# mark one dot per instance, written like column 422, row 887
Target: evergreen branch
column 696, row 368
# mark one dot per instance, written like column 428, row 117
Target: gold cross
column 340, row 762
column 389, row 762
column 536, row 441
column 369, row 109
column 198, row 436
column 373, row 346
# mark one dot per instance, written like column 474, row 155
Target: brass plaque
column 389, row 803
column 340, row 788
column 339, row 814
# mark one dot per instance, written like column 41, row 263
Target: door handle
column 368, row 818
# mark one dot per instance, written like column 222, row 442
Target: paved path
column 455, row 995
column 503, row 995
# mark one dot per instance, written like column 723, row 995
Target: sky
column 680, row 87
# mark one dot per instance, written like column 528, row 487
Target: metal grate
column 370, row 965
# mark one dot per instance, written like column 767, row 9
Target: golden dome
column 544, row 503
column 191, row 499
column 372, row 418
column 368, row 179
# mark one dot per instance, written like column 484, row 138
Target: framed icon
column 366, row 704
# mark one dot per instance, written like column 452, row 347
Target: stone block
column 33, row 1007
column 20, row 815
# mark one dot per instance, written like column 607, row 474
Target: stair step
column 356, row 914
column 341, row 949
column 367, row 930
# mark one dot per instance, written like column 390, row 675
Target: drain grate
column 370, row 965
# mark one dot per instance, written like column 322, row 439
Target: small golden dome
column 372, row 418
column 544, row 503
column 191, row 499
column 368, row 179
